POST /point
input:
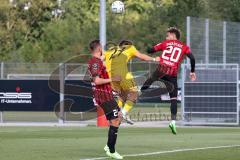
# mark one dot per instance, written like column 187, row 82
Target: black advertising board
column 36, row 95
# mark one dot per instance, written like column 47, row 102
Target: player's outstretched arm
column 99, row 81
column 145, row 57
column 192, row 62
column 151, row 50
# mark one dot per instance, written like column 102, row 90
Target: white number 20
column 172, row 50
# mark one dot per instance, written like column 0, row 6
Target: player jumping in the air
column 103, row 96
column 173, row 51
column 116, row 60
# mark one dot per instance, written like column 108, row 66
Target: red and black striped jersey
column 101, row 93
column 172, row 55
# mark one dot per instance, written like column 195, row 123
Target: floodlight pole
column 207, row 41
column 62, row 82
column 102, row 22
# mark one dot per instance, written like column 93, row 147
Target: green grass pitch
column 75, row 143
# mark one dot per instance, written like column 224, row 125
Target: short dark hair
column 175, row 31
column 125, row 42
column 110, row 45
column 94, row 44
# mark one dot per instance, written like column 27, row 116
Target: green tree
column 35, row 35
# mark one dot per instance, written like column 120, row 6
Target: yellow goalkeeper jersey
column 116, row 60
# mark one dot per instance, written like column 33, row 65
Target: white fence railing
column 213, row 99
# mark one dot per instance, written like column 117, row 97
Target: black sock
column 173, row 109
column 112, row 138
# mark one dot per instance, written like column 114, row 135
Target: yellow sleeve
column 107, row 60
column 131, row 51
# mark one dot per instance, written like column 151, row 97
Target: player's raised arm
column 150, row 50
column 156, row 48
column 145, row 57
column 192, row 62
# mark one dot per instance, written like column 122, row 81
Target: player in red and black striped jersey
column 103, row 92
column 173, row 52
column 103, row 96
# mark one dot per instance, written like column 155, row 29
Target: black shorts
column 169, row 81
column 110, row 109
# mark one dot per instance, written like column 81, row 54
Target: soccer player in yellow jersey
column 116, row 60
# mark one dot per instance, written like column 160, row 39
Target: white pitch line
column 162, row 152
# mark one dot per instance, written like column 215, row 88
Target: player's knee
column 173, row 93
column 132, row 96
column 170, row 87
column 121, row 96
column 115, row 122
